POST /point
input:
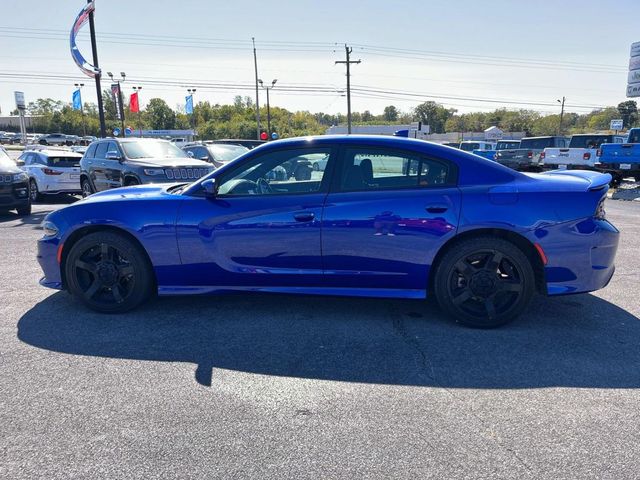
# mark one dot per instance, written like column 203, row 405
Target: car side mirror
column 190, row 153
column 209, row 187
column 113, row 156
column 205, row 158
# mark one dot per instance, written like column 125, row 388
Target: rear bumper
column 581, row 255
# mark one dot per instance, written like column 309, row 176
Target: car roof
column 56, row 153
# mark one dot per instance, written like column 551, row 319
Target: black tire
column 108, row 273
column 34, row 193
column 86, row 188
column 484, row 282
column 42, row 142
column 130, row 182
column 24, row 211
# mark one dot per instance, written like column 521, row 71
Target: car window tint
column 374, row 169
column 63, row 162
column 101, row 150
column 91, row 151
column 277, row 173
column 113, row 147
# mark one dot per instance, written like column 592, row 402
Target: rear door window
column 91, row 151
column 101, row 150
column 379, row 169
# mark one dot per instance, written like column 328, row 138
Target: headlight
column 20, row 177
column 49, row 229
column 153, row 171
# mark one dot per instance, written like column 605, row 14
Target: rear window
column 63, row 162
column 469, row 147
column 507, row 145
column 537, row 143
column 589, row 141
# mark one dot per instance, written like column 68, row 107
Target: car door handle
column 437, row 208
column 304, row 216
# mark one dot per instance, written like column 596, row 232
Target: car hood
column 9, row 170
column 137, row 192
column 168, row 162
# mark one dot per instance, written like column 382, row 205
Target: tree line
column 237, row 120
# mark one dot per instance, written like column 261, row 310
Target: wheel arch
column 128, row 177
column 83, row 231
column 518, row 240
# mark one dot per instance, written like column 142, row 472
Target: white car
column 179, row 142
column 51, row 171
column 582, row 153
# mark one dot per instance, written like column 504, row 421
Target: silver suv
column 116, row 162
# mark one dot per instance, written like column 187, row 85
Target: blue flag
column 189, row 105
column 77, row 100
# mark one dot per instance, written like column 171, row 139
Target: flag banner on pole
column 77, row 100
column 134, row 106
column 83, row 64
column 189, row 104
column 116, row 95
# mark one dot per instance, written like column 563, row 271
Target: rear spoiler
column 597, row 180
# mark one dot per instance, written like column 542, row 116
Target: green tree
column 159, row 115
column 433, row 114
column 629, row 112
column 390, row 113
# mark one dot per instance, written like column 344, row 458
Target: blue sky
column 465, row 54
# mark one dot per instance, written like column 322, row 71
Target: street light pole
column 84, row 125
column 273, row 83
column 561, row 115
column 137, row 90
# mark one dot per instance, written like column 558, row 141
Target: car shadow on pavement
column 36, row 217
column 578, row 341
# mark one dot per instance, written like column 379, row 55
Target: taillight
column 586, row 156
column 48, row 171
column 599, row 152
column 600, row 213
column 529, row 154
column 542, row 155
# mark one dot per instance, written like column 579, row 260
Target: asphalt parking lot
column 302, row 387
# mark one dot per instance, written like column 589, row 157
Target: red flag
column 133, row 103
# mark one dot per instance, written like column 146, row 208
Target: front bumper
column 14, row 195
column 581, row 255
column 48, row 259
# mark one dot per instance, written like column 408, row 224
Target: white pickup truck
column 582, row 153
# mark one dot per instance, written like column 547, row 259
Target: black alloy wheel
column 108, row 272
column 484, row 282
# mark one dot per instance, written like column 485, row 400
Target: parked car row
column 608, row 153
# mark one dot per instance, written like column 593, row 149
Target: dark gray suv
column 117, row 162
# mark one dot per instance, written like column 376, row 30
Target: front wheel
column 24, row 211
column 108, row 272
column 484, row 282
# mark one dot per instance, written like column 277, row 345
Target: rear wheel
column 34, row 193
column 108, row 273
column 86, row 188
column 484, row 282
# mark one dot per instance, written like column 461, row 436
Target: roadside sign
column 128, row 131
column 20, row 103
column 116, row 132
column 633, row 79
column 616, row 124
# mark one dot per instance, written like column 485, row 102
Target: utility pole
column 84, row 125
column 255, row 64
column 561, row 115
column 92, row 30
column 273, row 84
column 348, row 63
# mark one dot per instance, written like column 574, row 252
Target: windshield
column 634, row 136
column 588, row 141
column 63, row 162
column 5, row 159
column 226, row 153
column 537, row 143
column 469, row 147
column 157, row 149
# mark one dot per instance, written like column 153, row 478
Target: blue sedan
column 387, row 217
